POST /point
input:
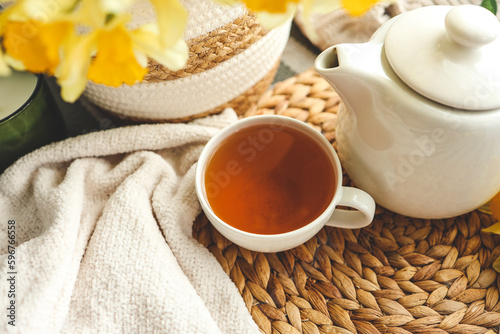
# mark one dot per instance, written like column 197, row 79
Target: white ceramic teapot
column 419, row 127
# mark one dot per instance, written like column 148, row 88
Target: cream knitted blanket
column 101, row 230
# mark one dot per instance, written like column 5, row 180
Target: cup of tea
column 270, row 183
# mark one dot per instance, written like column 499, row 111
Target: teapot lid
column 449, row 54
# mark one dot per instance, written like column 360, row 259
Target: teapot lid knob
column 472, row 26
column 448, row 54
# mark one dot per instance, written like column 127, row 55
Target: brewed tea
column 268, row 180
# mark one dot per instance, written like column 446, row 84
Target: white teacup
column 357, row 199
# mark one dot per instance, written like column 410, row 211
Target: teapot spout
column 351, row 67
column 329, row 61
column 356, row 74
column 335, row 65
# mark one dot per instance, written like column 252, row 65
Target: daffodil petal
column 272, row 7
column 71, row 93
column 272, row 20
column 41, row 11
column 358, row 7
column 14, row 63
column 173, row 57
column 115, row 61
column 4, row 68
column 90, row 13
column 36, row 44
column 316, row 6
column 496, row 264
column 4, row 18
column 116, row 6
column 72, row 72
column 14, row 12
column 228, row 2
column 141, row 57
column 172, row 19
column 25, row 48
column 495, row 228
column 495, row 206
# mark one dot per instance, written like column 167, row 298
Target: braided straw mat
column 398, row 275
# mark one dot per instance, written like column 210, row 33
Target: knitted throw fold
column 103, row 237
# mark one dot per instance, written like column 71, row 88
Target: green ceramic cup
column 29, row 117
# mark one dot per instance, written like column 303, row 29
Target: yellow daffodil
column 77, row 40
column 35, row 44
column 115, row 62
column 120, row 53
column 113, row 6
column 146, row 43
column 273, row 13
column 496, row 264
column 43, row 11
column 357, row 7
column 172, row 20
column 495, row 206
column 72, row 72
column 4, row 68
column 31, row 35
column 274, row 7
column 270, row 20
column 120, row 56
column 171, row 16
column 320, row 7
column 78, row 65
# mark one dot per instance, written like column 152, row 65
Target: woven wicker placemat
column 398, row 275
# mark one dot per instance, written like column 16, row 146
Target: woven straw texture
column 398, row 275
column 207, row 51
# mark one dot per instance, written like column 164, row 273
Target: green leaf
column 491, row 5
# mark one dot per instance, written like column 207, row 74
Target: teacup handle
column 361, row 217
